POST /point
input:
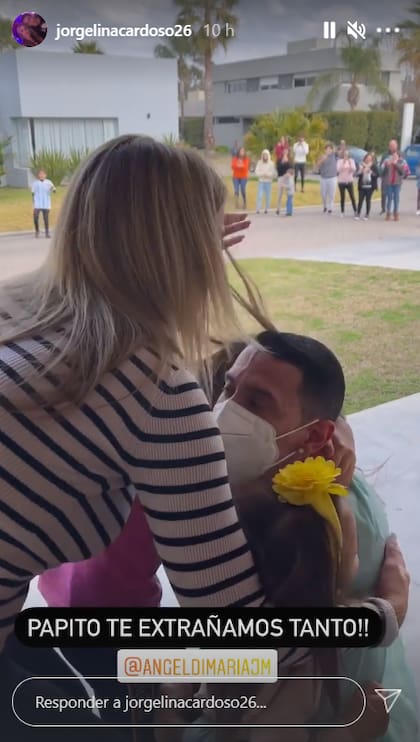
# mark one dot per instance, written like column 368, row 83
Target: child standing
column 41, row 198
column 265, row 172
column 289, row 184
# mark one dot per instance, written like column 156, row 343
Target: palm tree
column 86, row 47
column 6, row 39
column 409, row 42
column 363, row 64
column 179, row 48
column 213, row 24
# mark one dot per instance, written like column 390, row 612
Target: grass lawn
column 16, row 203
column 16, row 209
column 370, row 317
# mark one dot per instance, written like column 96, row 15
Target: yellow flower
column 312, row 482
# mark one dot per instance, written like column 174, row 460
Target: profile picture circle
column 29, row 28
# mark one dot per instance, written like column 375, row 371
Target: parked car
column 411, row 155
column 357, row 154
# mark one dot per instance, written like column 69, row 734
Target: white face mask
column 250, row 442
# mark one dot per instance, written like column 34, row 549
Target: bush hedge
column 365, row 129
column 194, row 131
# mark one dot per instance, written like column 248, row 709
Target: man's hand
column 394, row 580
column 341, row 449
column 234, row 223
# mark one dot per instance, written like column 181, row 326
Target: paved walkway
column 308, row 235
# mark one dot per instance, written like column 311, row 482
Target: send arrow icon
column 389, row 696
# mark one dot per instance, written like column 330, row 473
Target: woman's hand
column 394, row 579
column 234, row 223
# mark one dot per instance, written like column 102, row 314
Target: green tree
column 269, row 127
column 409, row 42
column 362, row 62
column 86, row 47
column 6, row 39
column 181, row 49
column 213, row 24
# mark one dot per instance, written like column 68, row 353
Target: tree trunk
column 208, row 102
column 181, row 110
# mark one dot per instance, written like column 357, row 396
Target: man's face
column 393, row 146
column 269, row 388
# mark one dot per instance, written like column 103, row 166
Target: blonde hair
column 136, row 261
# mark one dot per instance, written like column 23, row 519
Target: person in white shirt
column 265, row 172
column 300, row 156
column 41, row 197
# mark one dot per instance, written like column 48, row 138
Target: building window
column 31, row 135
column 253, row 85
column 269, row 83
column 303, row 82
column 235, row 86
column 285, row 82
column 227, row 120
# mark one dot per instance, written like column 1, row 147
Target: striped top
column 68, row 479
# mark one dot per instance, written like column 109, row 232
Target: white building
column 61, row 101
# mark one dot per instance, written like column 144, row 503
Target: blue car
column 411, row 155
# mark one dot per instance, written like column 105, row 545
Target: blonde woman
column 97, row 407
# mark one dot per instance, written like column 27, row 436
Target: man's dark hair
column 323, row 385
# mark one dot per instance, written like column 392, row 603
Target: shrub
column 54, row 162
column 222, row 149
column 194, row 131
column 352, row 126
column 74, row 159
column 383, row 126
column 269, row 127
column 3, row 144
column 365, row 129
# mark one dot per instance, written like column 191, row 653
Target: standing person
column 346, row 168
column 240, row 170
column 367, row 183
column 283, row 168
column 265, row 172
column 341, row 149
column 41, row 199
column 392, row 149
column 97, row 405
column 327, row 167
column 394, row 170
column 300, row 156
column 280, row 149
column 418, row 188
column 289, row 184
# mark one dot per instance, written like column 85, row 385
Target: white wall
column 141, row 93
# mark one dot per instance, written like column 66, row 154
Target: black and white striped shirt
column 67, row 481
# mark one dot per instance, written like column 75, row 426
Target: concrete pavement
column 307, row 235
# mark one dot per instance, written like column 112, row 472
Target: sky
column 265, row 26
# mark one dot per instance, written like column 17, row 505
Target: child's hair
column 294, row 559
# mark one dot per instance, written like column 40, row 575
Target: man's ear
column 319, row 440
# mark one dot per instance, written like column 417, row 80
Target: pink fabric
column 122, row 575
column 346, row 170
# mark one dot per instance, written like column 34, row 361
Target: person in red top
column 240, row 170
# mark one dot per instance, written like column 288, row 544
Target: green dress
column 385, row 665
